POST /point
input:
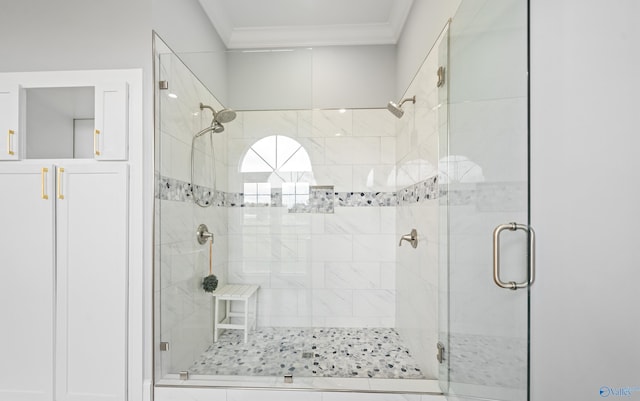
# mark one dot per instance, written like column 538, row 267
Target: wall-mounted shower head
column 223, row 116
column 219, row 117
column 396, row 109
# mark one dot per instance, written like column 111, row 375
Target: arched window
column 275, row 162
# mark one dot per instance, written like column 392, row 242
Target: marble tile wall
column 326, row 268
column 185, row 320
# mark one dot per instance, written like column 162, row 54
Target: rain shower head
column 396, row 109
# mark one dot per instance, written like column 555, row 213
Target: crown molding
column 327, row 35
column 398, row 17
column 217, row 12
column 263, row 37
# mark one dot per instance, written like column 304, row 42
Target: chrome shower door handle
column 512, row 285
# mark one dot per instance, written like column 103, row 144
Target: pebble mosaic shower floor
column 305, row 352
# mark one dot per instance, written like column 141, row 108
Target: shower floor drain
column 307, row 354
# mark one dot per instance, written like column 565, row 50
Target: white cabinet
column 10, row 127
column 111, row 121
column 89, row 205
column 27, row 268
column 91, row 302
column 39, row 111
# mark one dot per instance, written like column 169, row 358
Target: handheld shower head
column 215, row 127
column 396, row 109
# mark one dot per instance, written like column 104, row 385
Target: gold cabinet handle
column 96, row 142
column 60, row 171
column 44, row 185
column 10, row 142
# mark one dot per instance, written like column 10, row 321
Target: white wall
column 186, row 29
column 425, row 22
column 353, row 76
column 263, row 80
column 585, row 172
column 74, row 34
column 322, row 77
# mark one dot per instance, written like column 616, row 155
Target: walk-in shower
column 315, row 228
column 308, row 205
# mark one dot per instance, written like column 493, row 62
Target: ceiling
column 250, row 24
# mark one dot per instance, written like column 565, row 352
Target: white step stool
column 231, row 293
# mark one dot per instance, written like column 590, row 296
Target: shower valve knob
column 411, row 238
column 203, row 234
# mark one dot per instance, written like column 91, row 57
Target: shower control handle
column 203, row 234
column 411, row 238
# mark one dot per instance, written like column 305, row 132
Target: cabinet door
column 92, row 267
column 111, row 121
column 10, row 129
column 26, row 282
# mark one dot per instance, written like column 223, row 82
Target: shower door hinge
column 163, row 84
column 441, row 76
column 440, row 354
column 164, row 346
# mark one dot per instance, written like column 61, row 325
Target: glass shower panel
column 179, row 297
column 303, row 206
column 443, row 214
column 184, row 320
column 485, row 172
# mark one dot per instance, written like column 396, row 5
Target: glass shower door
column 484, row 173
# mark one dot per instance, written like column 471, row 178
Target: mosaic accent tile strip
column 488, row 361
column 487, row 197
column 308, row 352
column 321, row 199
column 420, row 192
column 364, row 199
column 181, row 191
